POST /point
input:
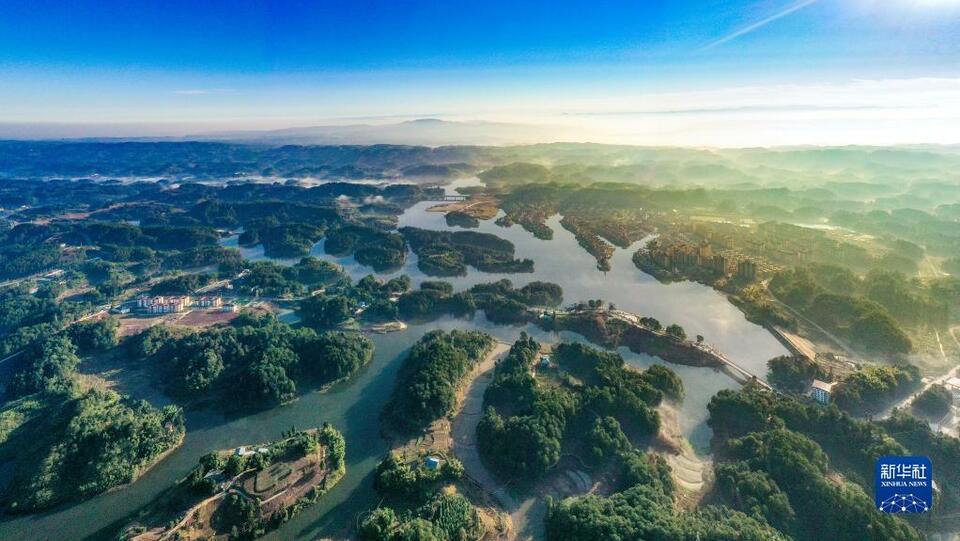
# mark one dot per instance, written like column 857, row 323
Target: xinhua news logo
column 904, row 484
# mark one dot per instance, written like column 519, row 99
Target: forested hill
column 223, row 160
column 848, row 167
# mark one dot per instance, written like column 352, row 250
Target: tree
column 934, row 402
column 265, row 383
column 200, row 371
column 95, row 335
column 879, row 332
column 428, row 379
column 607, row 439
column 48, row 365
column 793, row 372
column 676, row 331
column 331, row 356
column 326, row 312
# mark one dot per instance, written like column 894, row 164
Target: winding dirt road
column 527, row 515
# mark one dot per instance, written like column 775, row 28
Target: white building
column 210, row 301
column 163, row 305
column 821, row 390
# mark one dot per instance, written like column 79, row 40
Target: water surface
column 354, row 406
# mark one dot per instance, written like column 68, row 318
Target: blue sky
column 187, row 66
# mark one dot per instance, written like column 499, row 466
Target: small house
column 820, row 391
column 544, row 361
column 432, row 462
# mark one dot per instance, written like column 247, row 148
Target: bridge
column 449, row 198
column 734, row 370
column 728, row 365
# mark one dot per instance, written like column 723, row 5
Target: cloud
column 757, row 25
column 204, row 91
column 865, row 111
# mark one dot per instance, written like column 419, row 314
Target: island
column 244, row 492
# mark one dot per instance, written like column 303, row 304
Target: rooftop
column 822, row 385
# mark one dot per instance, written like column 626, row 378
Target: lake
column 354, row 406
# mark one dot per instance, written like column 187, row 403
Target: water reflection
column 354, row 407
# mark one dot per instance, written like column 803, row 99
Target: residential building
column 163, row 305
column 747, row 269
column 821, row 390
column 210, row 301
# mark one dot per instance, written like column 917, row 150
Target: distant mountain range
column 431, row 132
column 424, row 132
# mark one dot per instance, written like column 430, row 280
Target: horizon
column 738, row 74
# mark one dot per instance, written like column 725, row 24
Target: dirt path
column 691, row 473
column 527, row 515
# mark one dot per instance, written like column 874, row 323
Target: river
column 354, row 406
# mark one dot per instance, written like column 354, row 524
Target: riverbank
column 464, row 439
column 454, row 436
column 274, row 482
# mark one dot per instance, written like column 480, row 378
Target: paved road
column 854, row 356
column 954, row 372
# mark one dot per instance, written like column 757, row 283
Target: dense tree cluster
column 444, row 253
column 327, row 311
column 773, row 466
column 382, row 250
column 95, row 334
column 644, row 509
column 254, row 363
column 794, row 372
column 522, row 432
column 428, row 379
column 182, row 284
column 934, row 402
column 67, row 447
column 917, row 436
column 871, row 388
column 271, row 280
column 854, row 443
column 19, row 308
column 26, row 317
column 434, row 299
column 281, row 239
column 48, row 365
column 370, row 298
column 862, row 310
column 378, row 297
column 445, row 517
column 500, row 301
column 503, row 304
column 398, row 479
column 461, row 219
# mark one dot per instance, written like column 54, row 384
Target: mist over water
column 354, row 406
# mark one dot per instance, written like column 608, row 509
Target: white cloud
column 922, row 110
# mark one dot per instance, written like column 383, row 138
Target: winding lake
column 354, row 406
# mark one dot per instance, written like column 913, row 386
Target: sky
column 673, row 72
